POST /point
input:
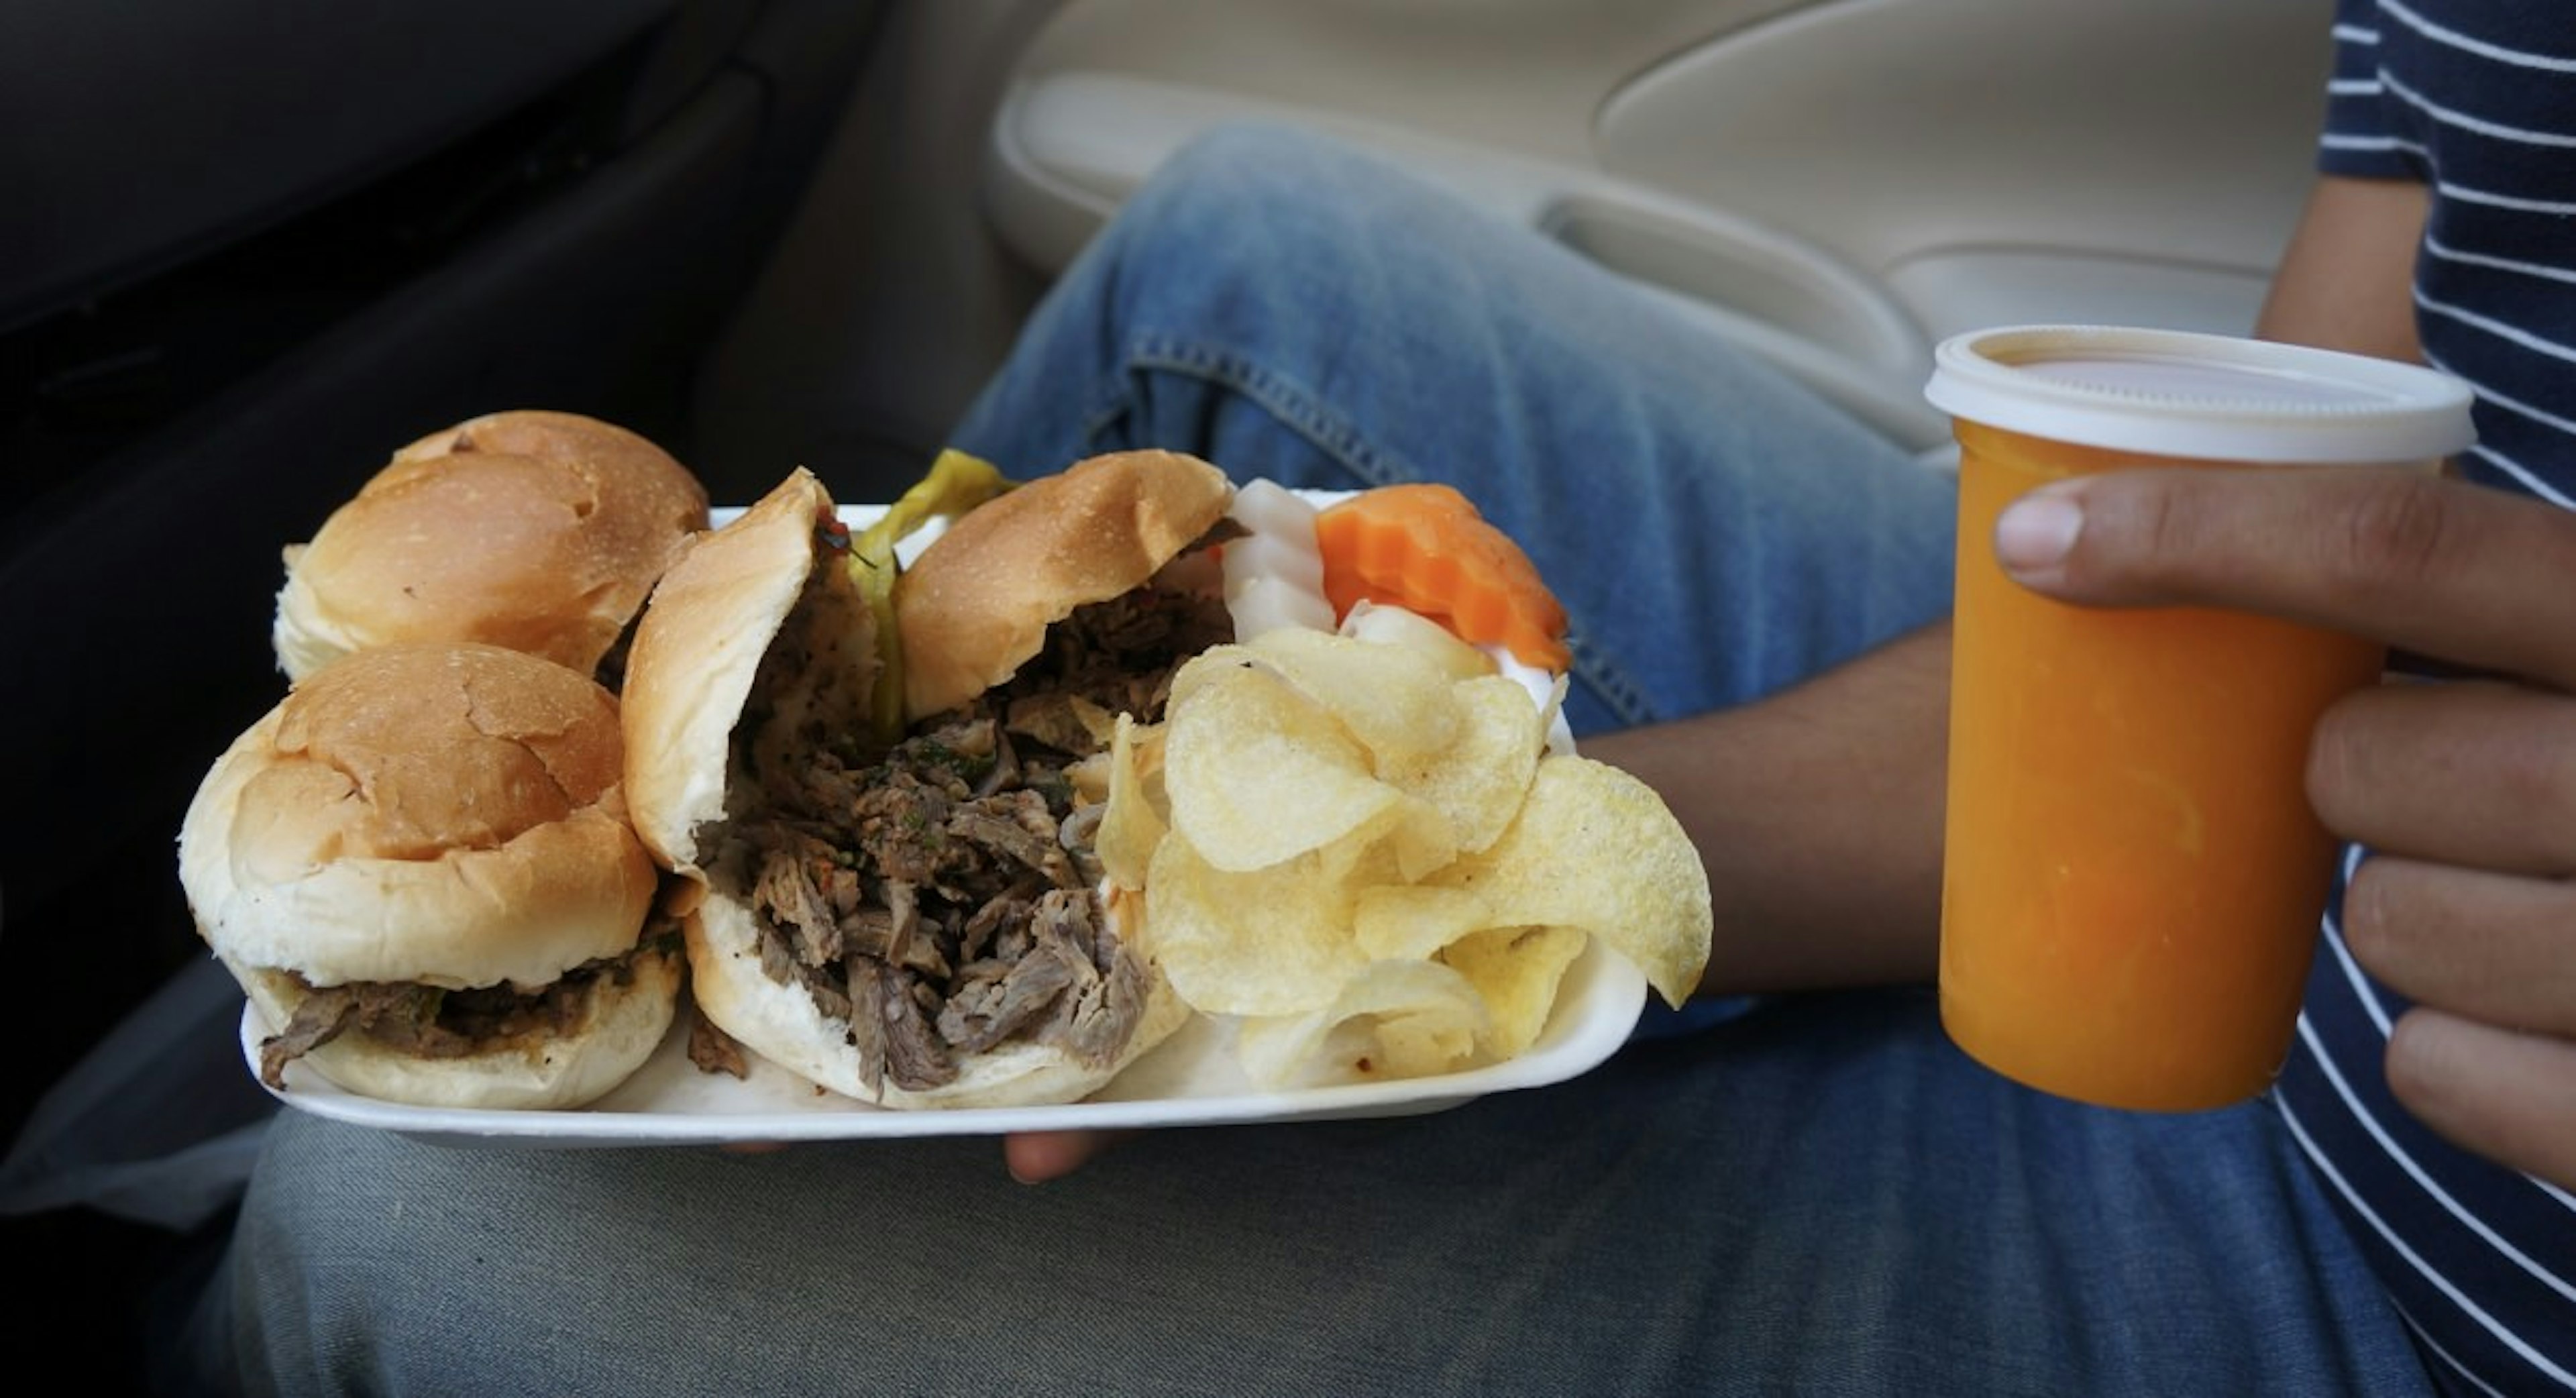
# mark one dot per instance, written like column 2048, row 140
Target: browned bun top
column 976, row 605
column 536, row 531
column 720, row 610
column 755, row 659
column 439, row 813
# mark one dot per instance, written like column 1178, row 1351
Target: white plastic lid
column 2208, row 397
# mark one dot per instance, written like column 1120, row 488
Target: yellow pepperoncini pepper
column 955, row 483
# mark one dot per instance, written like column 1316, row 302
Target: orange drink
column 2133, row 876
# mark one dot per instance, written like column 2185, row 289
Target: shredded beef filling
column 715, row 1051
column 941, row 898
column 431, row 1022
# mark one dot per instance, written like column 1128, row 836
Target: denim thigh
column 1820, row 1196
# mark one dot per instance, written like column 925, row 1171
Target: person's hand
column 2466, row 789
column 1034, row 1157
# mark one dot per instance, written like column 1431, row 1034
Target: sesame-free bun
column 624, row 1023
column 781, row 1023
column 699, row 646
column 535, row 531
column 762, row 617
column 976, row 605
column 438, row 814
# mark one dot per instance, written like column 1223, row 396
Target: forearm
column 1818, row 814
column 2346, row 280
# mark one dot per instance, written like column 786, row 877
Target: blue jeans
column 1817, row 1196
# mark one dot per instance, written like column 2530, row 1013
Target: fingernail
column 2035, row 532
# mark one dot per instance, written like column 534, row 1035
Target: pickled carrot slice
column 1424, row 547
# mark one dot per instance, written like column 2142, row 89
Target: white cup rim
column 2201, row 396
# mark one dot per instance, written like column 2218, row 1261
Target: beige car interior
column 1836, row 183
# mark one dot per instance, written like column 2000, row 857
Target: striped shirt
column 2476, row 98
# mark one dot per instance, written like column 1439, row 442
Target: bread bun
column 757, row 652
column 620, row 1027
column 443, row 815
column 722, row 607
column 535, row 531
column 781, row 1023
column 1095, row 531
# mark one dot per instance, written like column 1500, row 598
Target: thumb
column 2298, row 542
column 2291, row 541
column 2440, row 568
column 1034, row 1157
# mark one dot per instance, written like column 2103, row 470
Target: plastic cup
column 2133, row 877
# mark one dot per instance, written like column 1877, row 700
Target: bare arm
column 1818, row 814
column 2346, row 280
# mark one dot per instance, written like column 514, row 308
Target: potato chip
column 1273, row 941
column 1382, row 860
column 1516, row 971
column 1195, row 672
column 1258, row 775
column 1413, row 838
column 1414, row 921
column 1393, row 625
column 1479, row 781
column 1649, row 903
column 1394, row 701
column 1394, row 1019
column 1136, row 820
column 1088, row 779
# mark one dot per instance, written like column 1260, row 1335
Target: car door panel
column 257, row 109
column 1836, row 183
column 1998, row 159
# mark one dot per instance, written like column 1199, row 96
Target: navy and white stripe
column 2476, row 98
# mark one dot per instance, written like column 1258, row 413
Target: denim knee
column 1252, row 205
